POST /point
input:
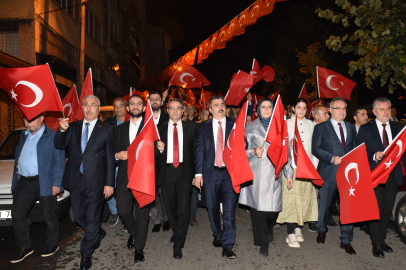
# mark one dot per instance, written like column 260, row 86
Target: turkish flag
column 274, row 95
column 255, row 9
column 141, row 161
column 277, row 136
column 234, row 155
column 203, row 50
column 203, row 101
column 70, row 105
column 267, row 73
column 393, row 154
column 240, row 84
column 189, row 57
column 305, row 167
column 221, row 41
column 87, row 89
column 303, row 94
column 33, row 89
column 187, row 76
column 313, row 105
column 357, row 197
column 266, row 7
column 256, row 99
column 255, row 68
column 331, row 84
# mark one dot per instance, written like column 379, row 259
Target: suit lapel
column 349, row 133
column 392, row 129
column 209, row 128
column 141, row 125
column 330, row 125
column 78, row 133
column 375, row 132
column 184, row 127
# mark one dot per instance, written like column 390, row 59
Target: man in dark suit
column 377, row 135
column 89, row 172
column 125, row 135
column 175, row 171
column 209, row 165
column 160, row 117
column 332, row 140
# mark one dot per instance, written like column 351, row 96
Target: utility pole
column 80, row 67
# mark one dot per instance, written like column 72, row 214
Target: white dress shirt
column 179, row 127
column 91, row 127
column 337, row 129
column 156, row 120
column 387, row 128
column 134, row 129
column 215, row 132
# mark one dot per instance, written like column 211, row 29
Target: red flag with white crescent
column 354, row 181
column 187, row 76
column 87, row 89
column 331, row 84
column 274, row 95
column 240, row 85
column 33, row 89
column 141, row 161
column 234, row 154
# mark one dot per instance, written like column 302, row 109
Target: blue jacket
column 51, row 162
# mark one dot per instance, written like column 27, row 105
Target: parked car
column 7, row 155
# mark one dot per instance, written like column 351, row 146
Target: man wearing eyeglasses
column 89, row 172
column 175, row 171
column 332, row 140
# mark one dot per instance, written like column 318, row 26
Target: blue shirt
column 337, row 128
column 28, row 161
column 119, row 122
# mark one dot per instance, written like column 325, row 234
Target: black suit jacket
column 122, row 143
column 369, row 134
column 326, row 145
column 189, row 141
column 98, row 157
column 163, row 118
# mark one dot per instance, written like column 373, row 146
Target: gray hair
column 337, row 99
column 176, row 100
column 213, row 98
column 380, row 99
column 91, row 96
column 315, row 110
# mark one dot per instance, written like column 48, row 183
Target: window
column 69, row 6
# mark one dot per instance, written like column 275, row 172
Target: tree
column 379, row 39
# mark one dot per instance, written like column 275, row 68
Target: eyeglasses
column 340, row 109
column 90, row 105
column 175, row 108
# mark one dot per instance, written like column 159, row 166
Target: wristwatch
column 254, row 152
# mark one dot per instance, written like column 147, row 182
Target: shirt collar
column 159, row 115
column 92, row 123
column 379, row 123
column 222, row 121
column 136, row 123
column 38, row 133
column 179, row 123
column 334, row 122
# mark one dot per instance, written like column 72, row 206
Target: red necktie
column 175, row 147
column 219, row 147
column 342, row 134
column 385, row 140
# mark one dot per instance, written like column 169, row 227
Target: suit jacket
column 326, row 145
column 122, row 143
column 98, row 157
column 112, row 121
column 163, row 118
column 189, row 141
column 205, row 149
column 369, row 134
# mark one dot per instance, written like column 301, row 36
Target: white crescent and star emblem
column 252, row 11
column 247, row 89
column 184, row 75
column 138, row 150
column 294, row 148
column 347, row 169
column 37, row 91
column 329, row 80
column 400, row 144
column 228, row 141
column 388, row 164
column 241, row 19
column 70, row 108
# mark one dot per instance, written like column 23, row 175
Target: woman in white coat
column 299, row 202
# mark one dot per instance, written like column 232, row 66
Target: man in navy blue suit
column 377, row 135
column 209, row 165
column 332, row 140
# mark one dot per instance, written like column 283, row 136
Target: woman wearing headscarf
column 300, row 202
column 264, row 194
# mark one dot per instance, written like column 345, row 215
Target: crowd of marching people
column 190, row 172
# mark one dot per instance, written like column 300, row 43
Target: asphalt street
column 199, row 252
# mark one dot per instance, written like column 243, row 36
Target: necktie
column 385, row 140
column 175, row 146
column 342, row 135
column 219, row 147
column 83, row 143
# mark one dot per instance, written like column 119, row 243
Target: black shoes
column 49, row 250
column 377, row 251
column 217, row 241
column 139, row 256
column 101, row 236
column 85, row 263
column 166, row 226
column 21, row 255
column 114, row 220
column 386, row 248
column 312, row 226
column 263, row 251
column 131, row 242
column 157, row 228
column 177, row 253
column 228, row 252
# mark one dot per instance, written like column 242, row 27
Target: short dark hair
column 301, row 100
column 176, row 100
column 354, row 112
column 138, row 96
column 336, row 99
column 153, row 92
column 213, row 98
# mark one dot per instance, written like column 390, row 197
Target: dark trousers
column 137, row 228
column 176, row 195
column 193, row 202
column 154, row 209
column 262, row 226
column 25, row 196
column 327, row 194
column 87, row 207
column 220, row 187
column 385, row 195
